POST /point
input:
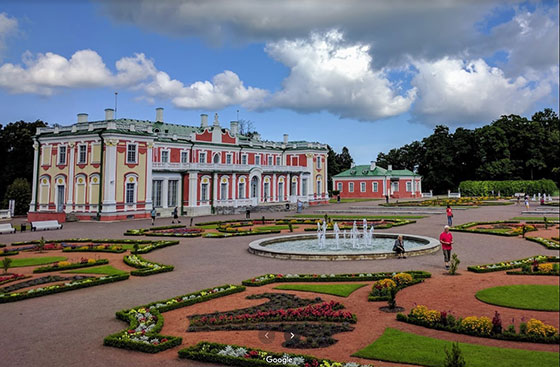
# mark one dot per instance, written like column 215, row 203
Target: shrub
column 454, row 264
column 402, row 278
column 496, row 323
column 539, row 328
column 507, row 188
column 454, row 358
column 545, row 268
column 6, row 262
column 477, row 325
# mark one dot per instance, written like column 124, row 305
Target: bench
column 45, row 225
column 7, row 228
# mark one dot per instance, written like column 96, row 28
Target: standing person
column 153, row 215
column 449, row 216
column 446, row 241
column 398, row 247
column 175, row 216
column 518, row 199
column 527, row 202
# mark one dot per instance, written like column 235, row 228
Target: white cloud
column 327, row 74
column 45, row 74
column 8, row 26
column 452, row 91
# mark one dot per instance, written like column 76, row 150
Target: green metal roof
column 365, row 171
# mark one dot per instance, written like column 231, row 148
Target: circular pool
column 308, row 247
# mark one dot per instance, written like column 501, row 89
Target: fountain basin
column 305, row 247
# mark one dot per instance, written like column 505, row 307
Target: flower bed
column 74, row 283
column 279, row 278
column 94, row 248
column 7, row 278
column 7, row 252
column 145, row 322
column 546, row 242
column 154, row 246
column 506, row 265
column 174, row 230
column 533, row 331
column 498, row 228
column 144, row 266
column 81, row 240
column 539, row 269
column 65, row 265
column 233, row 232
column 233, row 355
column 380, row 291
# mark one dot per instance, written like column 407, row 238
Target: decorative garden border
column 56, row 267
column 144, row 266
column 548, row 243
column 150, row 232
column 466, row 228
column 234, row 355
column 294, row 278
column 514, row 264
column 384, row 294
column 482, row 327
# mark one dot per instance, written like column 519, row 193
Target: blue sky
column 369, row 75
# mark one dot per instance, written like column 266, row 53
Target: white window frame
column 229, row 158
column 219, row 158
column 257, row 159
column 185, row 156
column 374, row 186
column 350, row 186
column 201, row 157
column 270, row 160
column 319, row 162
column 157, row 203
column 408, row 187
column 278, row 162
column 60, row 156
column 166, row 151
column 128, row 145
column 133, row 185
column 134, row 182
column 362, row 186
column 339, row 186
column 172, row 200
column 84, row 161
column 243, row 158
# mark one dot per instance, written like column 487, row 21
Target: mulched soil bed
column 440, row 292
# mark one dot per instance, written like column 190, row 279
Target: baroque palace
column 121, row 168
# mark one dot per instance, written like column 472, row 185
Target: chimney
column 372, row 165
column 109, row 114
column 234, row 127
column 203, row 120
column 285, row 138
column 159, row 114
column 82, row 117
column 390, row 167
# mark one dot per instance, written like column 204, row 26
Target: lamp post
column 414, row 172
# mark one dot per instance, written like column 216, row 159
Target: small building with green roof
column 372, row 181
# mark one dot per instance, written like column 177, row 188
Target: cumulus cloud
column 453, row 91
column 328, row 74
column 8, row 26
column 45, row 74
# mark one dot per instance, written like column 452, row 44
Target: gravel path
column 67, row 329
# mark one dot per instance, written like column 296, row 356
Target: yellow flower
column 402, row 278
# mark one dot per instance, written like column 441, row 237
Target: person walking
column 153, row 215
column 398, row 247
column 446, row 241
column 449, row 216
column 527, row 202
column 175, row 216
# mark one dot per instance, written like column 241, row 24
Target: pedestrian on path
column 527, row 202
column 446, row 241
column 398, row 247
column 175, row 216
column 449, row 216
column 153, row 215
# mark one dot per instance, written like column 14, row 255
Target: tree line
column 510, row 148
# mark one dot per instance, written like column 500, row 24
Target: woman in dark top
column 398, row 247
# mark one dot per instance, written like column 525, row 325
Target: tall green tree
column 20, row 191
column 337, row 163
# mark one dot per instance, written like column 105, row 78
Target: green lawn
column 550, row 219
column 31, row 261
column 274, row 228
column 343, row 290
column 105, row 270
column 523, row 296
column 321, row 216
column 397, row 346
column 334, row 201
column 208, row 226
column 130, row 246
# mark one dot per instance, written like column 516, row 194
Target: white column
column 165, row 193
column 70, row 181
column 109, row 177
column 274, row 189
column 234, row 188
column 193, row 186
column 35, row 176
column 215, row 184
column 384, row 185
column 149, row 179
column 288, row 188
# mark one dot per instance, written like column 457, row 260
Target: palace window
column 130, row 186
column 339, row 186
column 165, row 156
column 216, row 159
column 184, row 157
column 82, row 154
column 270, row 160
column 318, row 162
column 277, row 161
column 131, row 153
column 244, row 159
column 62, row 155
column 202, row 157
column 351, row 187
column 409, row 186
column 362, row 187
column 157, row 192
column 172, row 193
column 257, row 159
column 228, row 158
column 241, row 190
column 374, row 186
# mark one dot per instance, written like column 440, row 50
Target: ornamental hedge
column 507, row 188
column 144, row 266
column 58, row 267
column 513, row 264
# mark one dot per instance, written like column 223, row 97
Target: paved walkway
column 67, row 329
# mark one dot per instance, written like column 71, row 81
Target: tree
column 344, row 160
column 337, row 163
column 247, row 128
column 454, row 358
column 438, row 161
column 16, row 152
column 6, row 262
column 20, row 191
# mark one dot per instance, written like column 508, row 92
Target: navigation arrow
column 292, row 335
column 266, row 335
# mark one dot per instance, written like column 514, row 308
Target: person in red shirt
column 446, row 241
column 449, row 216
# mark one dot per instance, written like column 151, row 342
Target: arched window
column 224, row 188
column 94, row 185
column 241, row 188
column 216, row 158
column 80, row 189
column 204, row 189
column 130, row 190
column 44, row 191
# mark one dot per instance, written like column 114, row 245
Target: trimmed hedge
column 507, row 188
column 372, row 298
column 237, row 234
column 513, row 264
column 549, row 244
column 78, row 240
column 122, row 338
column 208, row 352
column 150, row 232
column 151, row 267
column 93, row 249
column 466, row 228
column 45, row 269
column 293, row 278
column 8, row 253
column 88, row 282
column 458, row 329
column 155, row 246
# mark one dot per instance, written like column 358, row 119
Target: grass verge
column 401, row 347
column 522, row 296
column 32, row 261
column 105, row 270
column 342, row 290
